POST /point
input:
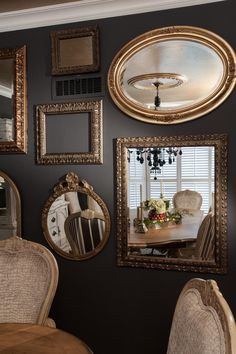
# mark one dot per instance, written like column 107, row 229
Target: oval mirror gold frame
column 61, row 207
column 10, row 215
column 140, row 82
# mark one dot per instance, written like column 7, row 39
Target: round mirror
column 172, row 74
column 75, row 220
column 10, row 208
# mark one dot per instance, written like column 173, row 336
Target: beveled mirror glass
column 13, row 100
column 172, row 202
column 75, row 220
column 172, row 74
column 10, row 208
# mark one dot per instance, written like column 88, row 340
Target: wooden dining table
column 165, row 236
column 18, row 338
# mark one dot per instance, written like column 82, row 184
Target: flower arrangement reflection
column 159, row 213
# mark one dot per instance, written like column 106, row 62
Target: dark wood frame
column 56, row 36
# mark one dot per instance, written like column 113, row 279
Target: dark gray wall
column 117, row 310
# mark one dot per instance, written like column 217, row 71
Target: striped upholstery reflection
column 83, row 234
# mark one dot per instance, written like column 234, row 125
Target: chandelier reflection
column 156, row 157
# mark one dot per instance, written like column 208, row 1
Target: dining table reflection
column 168, row 235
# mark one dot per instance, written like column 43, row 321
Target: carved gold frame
column 19, row 143
column 172, row 116
column 94, row 156
column 69, row 183
column 219, row 141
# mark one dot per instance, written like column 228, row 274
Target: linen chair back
column 203, row 322
column 28, row 278
column 84, row 234
column 205, row 239
column 187, row 199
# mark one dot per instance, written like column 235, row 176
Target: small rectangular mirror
column 172, row 202
column 75, row 51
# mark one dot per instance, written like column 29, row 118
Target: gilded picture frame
column 152, row 77
column 75, row 51
column 218, row 264
column 71, row 183
column 17, row 143
column 95, row 134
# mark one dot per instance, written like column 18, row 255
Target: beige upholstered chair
column 205, row 246
column 187, row 199
column 28, row 278
column 203, row 322
column 84, row 231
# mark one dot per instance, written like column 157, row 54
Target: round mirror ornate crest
column 172, row 74
column 75, row 220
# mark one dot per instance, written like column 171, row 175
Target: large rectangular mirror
column 13, row 120
column 172, row 202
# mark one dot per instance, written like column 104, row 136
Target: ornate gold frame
column 74, row 33
column 207, row 38
column 19, row 143
column 69, row 183
column 94, row 156
column 219, row 141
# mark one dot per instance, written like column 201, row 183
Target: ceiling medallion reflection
column 155, row 82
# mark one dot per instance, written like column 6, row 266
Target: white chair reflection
column 84, row 232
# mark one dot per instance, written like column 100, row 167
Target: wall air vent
column 76, row 86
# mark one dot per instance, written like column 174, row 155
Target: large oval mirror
column 10, row 208
column 75, row 220
column 13, row 100
column 172, row 74
column 172, row 205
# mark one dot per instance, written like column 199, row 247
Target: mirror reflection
column 172, row 202
column 76, row 223
column 171, row 75
column 13, row 100
column 160, row 76
column 6, row 99
column 10, row 213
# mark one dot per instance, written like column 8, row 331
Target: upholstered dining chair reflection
column 84, row 232
column 204, row 247
column 28, row 278
column 203, row 322
column 187, row 199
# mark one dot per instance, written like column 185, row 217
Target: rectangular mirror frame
column 19, row 143
column 95, row 154
column 219, row 141
column 68, row 34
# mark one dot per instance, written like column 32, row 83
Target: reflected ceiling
column 183, row 63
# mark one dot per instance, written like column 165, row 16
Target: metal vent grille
column 77, row 87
